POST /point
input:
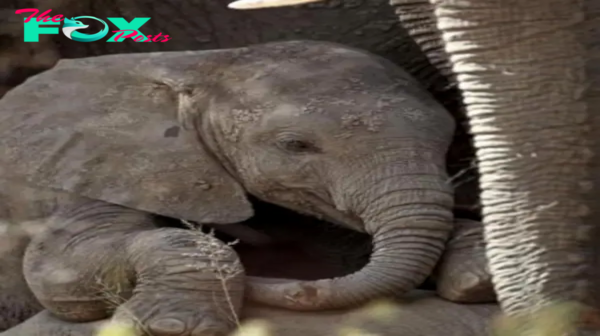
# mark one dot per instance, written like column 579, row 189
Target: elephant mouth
column 278, row 243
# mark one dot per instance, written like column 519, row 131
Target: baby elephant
column 316, row 127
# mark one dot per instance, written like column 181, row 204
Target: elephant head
column 523, row 68
column 319, row 128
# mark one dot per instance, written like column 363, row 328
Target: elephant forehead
column 373, row 109
column 310, row 77
column 358, row 94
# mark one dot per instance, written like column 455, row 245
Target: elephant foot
column 99, row 259
column 462, row 275
column 175, row 298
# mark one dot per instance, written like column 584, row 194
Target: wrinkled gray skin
column 544, row 81
column 187, row 135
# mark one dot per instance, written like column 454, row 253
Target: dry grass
column 224, row 272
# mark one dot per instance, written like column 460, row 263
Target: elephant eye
column 297, row 146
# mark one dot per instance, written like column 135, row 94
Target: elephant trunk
column 410, row 226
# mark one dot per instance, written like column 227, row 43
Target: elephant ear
column 122, row 129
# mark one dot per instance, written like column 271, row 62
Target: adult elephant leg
column 418, row 18
column 531, row 102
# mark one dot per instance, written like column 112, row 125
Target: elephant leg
column 17, row 302
column 462, row 275
column 96, row 259
column 526, row 71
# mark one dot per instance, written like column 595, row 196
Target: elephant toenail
column 167, row 326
